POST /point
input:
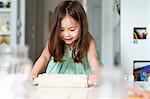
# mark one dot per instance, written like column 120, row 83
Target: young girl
column 70, row 49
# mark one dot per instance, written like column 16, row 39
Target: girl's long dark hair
column 56, row 44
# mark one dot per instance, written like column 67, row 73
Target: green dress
column 68, row 66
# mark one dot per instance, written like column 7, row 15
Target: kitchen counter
column 37, row 92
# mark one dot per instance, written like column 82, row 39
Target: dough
column 62, row 80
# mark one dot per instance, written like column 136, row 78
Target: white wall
column 107, row 32
column 94, row 21
column 134, row 13
column 100, row 17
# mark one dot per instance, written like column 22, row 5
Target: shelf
column 4, row 33
column 5, row 10
column 9, row 16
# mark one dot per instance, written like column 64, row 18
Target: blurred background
column 100, row 17
column 111, row 22
column 37, row 22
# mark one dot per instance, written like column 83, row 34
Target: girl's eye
column 61, row 30
column 72, row 30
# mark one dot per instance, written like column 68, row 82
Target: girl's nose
column 66, row 33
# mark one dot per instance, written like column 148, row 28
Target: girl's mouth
column 68, row 39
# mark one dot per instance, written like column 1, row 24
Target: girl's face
column 70, row 30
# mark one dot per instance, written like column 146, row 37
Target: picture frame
column 141, row 70
column 139, row 33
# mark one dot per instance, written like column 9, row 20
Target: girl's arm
column 93, row 62
column 41, row 64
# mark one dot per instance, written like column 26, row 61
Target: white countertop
column 16, row 88
column 37, row 92
column 68, row 93
column 63, row 93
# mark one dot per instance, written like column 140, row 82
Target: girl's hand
column 93, row 79
column 33, row 76
column 33, row 79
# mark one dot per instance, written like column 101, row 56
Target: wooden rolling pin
column 62, row 80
